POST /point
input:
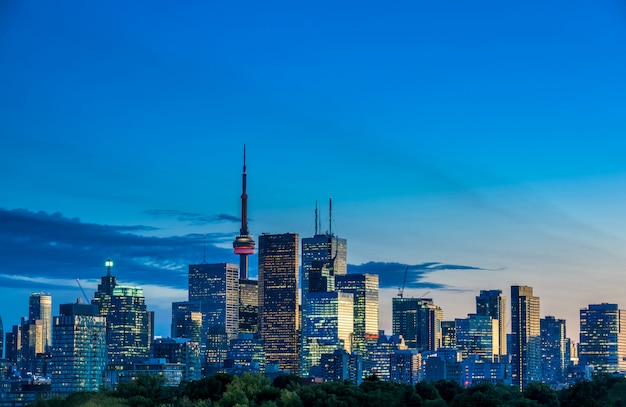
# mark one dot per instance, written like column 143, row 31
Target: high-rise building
column 127, row 321
column 493, row 303
column 79, row 351
column 525, row 336
column 244, row 243
column 603, row 338
column 187, row 321
column 448, row 334
column 364, row 287
column 183, row 351
column 279, row 319
column 248, row 307
column 13, row 344
column 40, row 307
column 477, row 335
column 216, row 288
column 406, row 366
column 328, row 326
column 554, row 351
column 380, row 355
column 418, row 320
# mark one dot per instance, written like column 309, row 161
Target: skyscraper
column 127, row 324
column 79, row 352
column 279, row 319
column 248, row 307
column 216, row 288
column 554, row 350
column 525, row 336
column 418, row 320
column 493, row 303
column 40, row 307
column 477, row 335
column 187, row 321
column 364, row 287
column 328, row 326
column 244, row 243
column 603, row 338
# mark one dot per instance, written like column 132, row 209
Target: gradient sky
column 483, row 144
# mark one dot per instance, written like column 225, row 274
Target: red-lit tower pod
column 244, row 244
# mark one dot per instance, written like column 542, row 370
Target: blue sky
column 486, row 139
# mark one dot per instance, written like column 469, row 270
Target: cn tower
column 244, row 244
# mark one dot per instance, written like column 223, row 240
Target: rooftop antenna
column 330, row 217
column 109, row 264
column 316, row 218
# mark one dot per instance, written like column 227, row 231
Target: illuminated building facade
column 216, row 288
column 448, row 334
column 603, row 338
column 187, row 321
column 248, row 307
column 79, row 351
column 380, row 355
column 555, row 352
column 127, row 328
column 183, row 351
column 493, row 303
column 364, row 288
column 418, row 320
column 40, row 308
column 279, row 319
column 328, row 326
column 525, row 336
column 477, row 335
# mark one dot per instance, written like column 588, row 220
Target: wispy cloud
column 391, row 274
column 191, row 218
column 52, row 246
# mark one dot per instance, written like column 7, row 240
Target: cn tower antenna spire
column 244, row 244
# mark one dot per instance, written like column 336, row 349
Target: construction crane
column 81, row 289
column 401, row 289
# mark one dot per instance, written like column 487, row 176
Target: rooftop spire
column 244, row 244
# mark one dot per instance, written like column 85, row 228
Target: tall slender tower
column 244, row 244
column 526, row 336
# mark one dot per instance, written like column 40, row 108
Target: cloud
column 191, row 218
column 391, row 275
column 42, row 245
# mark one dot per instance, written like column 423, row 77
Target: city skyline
column 480, row 145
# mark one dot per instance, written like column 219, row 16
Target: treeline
column 223, row 390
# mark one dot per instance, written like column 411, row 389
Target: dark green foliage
column 146, row 390
column 378, row 393
column 488, row 395
column 427, row 391
column 603, row 390
column 286, row 381
column 543, row 394
column 447, row 389
column 212, row 387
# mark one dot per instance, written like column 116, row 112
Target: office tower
column 244, row 244
column 13, row 344
column 33, row 354
column 246, row 353
column 418, row 320
column 324, row 256
column 328, row 326
column 477, row 335
column 248, row 307
column 187, row 321
column 406, row 366
column 554, row 350
column 380, row 355
column 216, row 288
column 603, row 338
column 525, row 336
column 40, row 307
column 493, row 304
column 127, row 321
column 341, row 365
column 79, row 351
column 448, row 334
column 364, row 287
column 183, row 351
column 279, row 319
